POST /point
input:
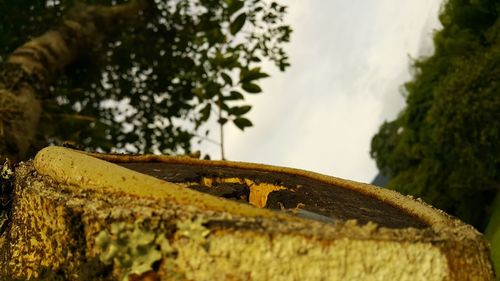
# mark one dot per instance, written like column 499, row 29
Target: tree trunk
column 33, row 66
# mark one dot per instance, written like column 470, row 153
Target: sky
column 349, row 60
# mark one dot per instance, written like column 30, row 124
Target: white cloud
column 349, row 59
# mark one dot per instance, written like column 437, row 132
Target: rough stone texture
column 79, row 218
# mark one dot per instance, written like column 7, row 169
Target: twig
column 223, row 157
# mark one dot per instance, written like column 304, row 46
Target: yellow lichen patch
column 132, row 249
column 193, row 230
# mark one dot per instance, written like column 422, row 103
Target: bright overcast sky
column 349, row 59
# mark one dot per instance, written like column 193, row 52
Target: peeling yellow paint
column 259, row 192
column 208, row 182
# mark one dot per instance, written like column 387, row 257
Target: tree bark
column 33, row 66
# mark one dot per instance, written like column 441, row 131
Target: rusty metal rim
column 433, row 217
column 415, row 207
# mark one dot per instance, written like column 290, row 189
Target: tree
column 141, row 77
column 443, row 147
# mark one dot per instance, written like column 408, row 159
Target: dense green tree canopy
column 443, row 147
column 152, row 84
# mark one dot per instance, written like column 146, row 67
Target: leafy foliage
column 151, row 87
column 443, row 146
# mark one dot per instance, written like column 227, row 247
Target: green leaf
column 212, row 89
column 222, row 121
column 256, row 59
column 198, row 92
column 240, row 110
column 242, row 123
column 205, row 112
column 227, row 79
column 251, row 88
column 238, row 23
column 252, row 74
column 230, row 61
column 235, row 6
column 223, row 106
column 218, row 59
column 214, row 36
column 234, row 95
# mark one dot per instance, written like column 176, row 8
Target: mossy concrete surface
column 77, row 217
